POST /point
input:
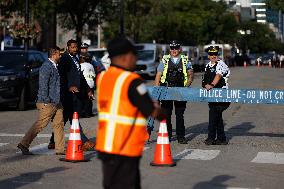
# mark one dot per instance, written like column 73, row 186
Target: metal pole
column 27, row 22
column 121, row 17
column 99, row 36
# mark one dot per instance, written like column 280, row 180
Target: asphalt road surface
column 253, row 159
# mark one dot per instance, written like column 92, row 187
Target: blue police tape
column 245, row 96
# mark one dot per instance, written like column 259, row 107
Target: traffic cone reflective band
column 74, row 152
column 163, row 155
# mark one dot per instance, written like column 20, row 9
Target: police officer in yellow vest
column 175, row 70
column 123, row 105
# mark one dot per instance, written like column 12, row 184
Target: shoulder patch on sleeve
column 142, row 89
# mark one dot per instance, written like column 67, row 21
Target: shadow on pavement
column 238, row 130
column 8, row 108
column 217, row 182
column 18, row 157
column 28, row 178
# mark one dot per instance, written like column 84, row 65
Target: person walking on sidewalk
column 48, row 105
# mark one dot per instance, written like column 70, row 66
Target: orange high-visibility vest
column 121, row 127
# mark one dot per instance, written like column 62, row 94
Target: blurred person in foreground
column 124, row 105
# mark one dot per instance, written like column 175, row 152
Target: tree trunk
column 79, row 33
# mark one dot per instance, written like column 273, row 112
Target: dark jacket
column 49, row 84
column 71, row 76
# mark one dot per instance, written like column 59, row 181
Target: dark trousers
column 216, row 125
column 70, row 105
column 87, row 107
column 179, row 111
column 121, row 172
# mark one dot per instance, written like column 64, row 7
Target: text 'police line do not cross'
column 246, row 96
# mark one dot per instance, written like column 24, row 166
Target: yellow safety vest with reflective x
column 166, row 61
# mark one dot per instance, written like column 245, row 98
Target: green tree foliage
column 190, row 21
column 275, row 4
column 260, row 40
column 74, row 14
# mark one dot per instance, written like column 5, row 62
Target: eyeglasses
column 174, row 48
column 212, row 54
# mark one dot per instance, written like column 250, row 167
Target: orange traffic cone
column 245, row 64
column 163, row 155
column 74, row 151
column 258, row 64
column 269, row 63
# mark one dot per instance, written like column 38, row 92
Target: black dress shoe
column 221, row 142
column 25, row 150
column 209, row 141
column 51, row 146
column 182, row 140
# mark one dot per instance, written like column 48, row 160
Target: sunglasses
column 174, row 48
column 213, row 54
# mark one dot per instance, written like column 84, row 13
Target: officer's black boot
column 182, row 140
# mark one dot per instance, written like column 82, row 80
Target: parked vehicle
column 97, row 53
column 266, row 59
column 19, row 73
column 149, row 56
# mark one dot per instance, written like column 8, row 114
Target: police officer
column 175, row 70
column 123, row 105
column 216, row 76
column 84, row 48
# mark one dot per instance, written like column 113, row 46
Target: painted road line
column 146, row 148
column 197, row 154
column 238, row 188
column 22, row 135
column 269, row 157
column 41, row 149
column 3, row 144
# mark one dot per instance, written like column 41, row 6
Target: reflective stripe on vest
column 114, row 109
column 166, row 59
column 121, row 126
column 122, row 119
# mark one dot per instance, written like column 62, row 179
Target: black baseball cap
column 119, row 46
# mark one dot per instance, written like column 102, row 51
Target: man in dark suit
column 74, row 87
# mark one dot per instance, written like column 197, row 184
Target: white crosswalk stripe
column 197, row 154
column 41, row 149
column 239, row 188
column 269, row 157
column 3, row 144
column 22, row 135
column 146, row 148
